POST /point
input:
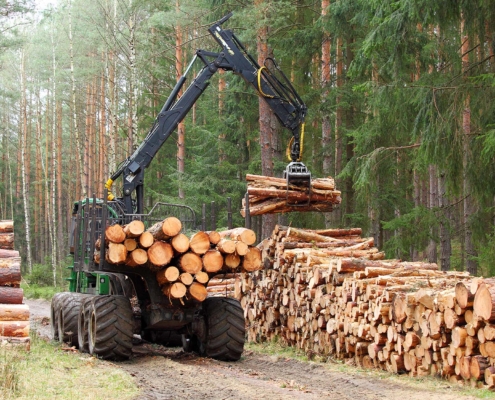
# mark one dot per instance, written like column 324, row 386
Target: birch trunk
column 53, row 139
column 25, row 193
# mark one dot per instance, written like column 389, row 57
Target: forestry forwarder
column 96, row 314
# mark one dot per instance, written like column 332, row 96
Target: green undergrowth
column 277, row 348
column 48, row 371
column 34, row 291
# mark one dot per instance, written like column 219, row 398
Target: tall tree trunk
column 102, row 145
column 79, row 143
column 133, row 76
column 445, row 236
column 60, row 198
column 469, row 206
column 53, row 140
column 181, row 128
column 433, row 203
column 268, row 127
column 25, row 192
column 326, row 126
column 338, row 123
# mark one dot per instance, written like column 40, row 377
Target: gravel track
column 163, row 373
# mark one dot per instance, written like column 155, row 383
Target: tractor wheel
column 67, row 318
column 110, row 327
column 225, row 329
column 82, row 324
column 54, row 313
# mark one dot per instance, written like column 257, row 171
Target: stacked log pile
column 14, row 316
column 183, row 265
column 268, row 195
column 332, row 293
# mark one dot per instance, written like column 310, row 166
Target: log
column 6, row 226
column 186, row 278
column 17, row 342
column 190, row 262
column 244, row 235
column 202, row 277
column 294, row 196
column 252, row 260
column 130, row 244
column 484, row 300
column 198, row 292
column 11, row 275
column 317, row 183
column 8, row 253
column 212, row 261
column 7, row 241
column 214, row 237
column 175, row 290
column 167, row 275
column 463, row 295
column 232, row 261
column 241, row 248
column 114, row 234
column 146, row 240
column 180, row 243
column 160, row 253
column 277, row 206
column 8, row 262
column 166, row 229
column 14, row 328
column 14, row 312
column 478, row 366
column 137, row 257
column 134, row 229
column 226, row 246
column 200, row 242
column 116, row 253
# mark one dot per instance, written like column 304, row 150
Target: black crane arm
column 279, row 94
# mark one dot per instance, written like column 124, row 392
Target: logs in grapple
column 183, row 265
column 268, row 195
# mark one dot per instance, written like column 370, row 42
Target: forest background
column 401, row 112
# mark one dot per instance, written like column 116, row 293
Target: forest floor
column 169, row 373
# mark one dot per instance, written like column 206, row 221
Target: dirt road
column 163, row 373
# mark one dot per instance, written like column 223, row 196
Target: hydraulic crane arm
column 279, row 94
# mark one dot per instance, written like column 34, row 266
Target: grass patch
column 430, row 383
column 34, row 291
column 48, row 372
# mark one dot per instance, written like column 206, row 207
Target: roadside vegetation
column 278, row 349
column 49, row 371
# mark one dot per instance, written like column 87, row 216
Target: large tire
column 55, row 311
column 225, row 329
column 83, row 324
column 110, row 327
column 67, row 318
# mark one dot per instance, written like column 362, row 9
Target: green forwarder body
column 108, row 307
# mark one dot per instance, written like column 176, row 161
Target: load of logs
column 14, row 315
column 332, row 293
column 269, row 195
column 183, row 265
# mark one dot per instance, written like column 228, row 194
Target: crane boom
column 279, row 94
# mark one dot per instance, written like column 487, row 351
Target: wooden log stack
column 269, row 195
column 332, row 293
column 14, row 315
column 183, row 265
